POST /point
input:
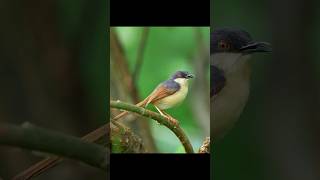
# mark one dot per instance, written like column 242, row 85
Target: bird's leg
column 168, row 115
column 159, row 111
column 173, row 120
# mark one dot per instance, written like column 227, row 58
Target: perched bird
column 230, row 50
column 167, row 94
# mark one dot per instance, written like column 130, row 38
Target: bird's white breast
column 228, row 104
column 175, row 98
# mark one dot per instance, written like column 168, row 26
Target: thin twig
column 121, row 65
column 159, row 118
column 205, row 148
column 140, row 53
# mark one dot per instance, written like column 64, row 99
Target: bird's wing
column 217, row 80
column 163, row 90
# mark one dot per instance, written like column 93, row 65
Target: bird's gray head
column 182, row 74
column 231, row 47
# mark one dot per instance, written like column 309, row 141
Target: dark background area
column 53, row 74
column 277, row 136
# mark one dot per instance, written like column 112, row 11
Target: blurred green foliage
column 167, row 50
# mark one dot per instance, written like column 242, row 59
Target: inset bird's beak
column 256, row 47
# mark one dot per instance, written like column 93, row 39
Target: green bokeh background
column 167, row 50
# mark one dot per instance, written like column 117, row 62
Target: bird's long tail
column 143, row 103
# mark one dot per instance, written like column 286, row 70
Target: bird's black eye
column 224, row 45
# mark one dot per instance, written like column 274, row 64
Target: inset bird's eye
column 224, row 45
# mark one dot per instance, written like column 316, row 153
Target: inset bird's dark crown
column 235, row 41
column 228, row 40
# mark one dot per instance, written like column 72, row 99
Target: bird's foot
column 173, row 120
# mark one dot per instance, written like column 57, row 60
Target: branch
column 121, row 63
column 140, row 53
column 35, row 138
column 98, row 136
column 160, row 119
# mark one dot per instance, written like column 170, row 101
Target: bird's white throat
column 182, row 81
column 228, row 62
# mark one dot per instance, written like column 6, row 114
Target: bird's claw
column 173, row 121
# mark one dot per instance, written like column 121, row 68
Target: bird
column 230, row 51
column 166, row 95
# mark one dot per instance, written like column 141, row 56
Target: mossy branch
column 177, row 130
column 124, row 140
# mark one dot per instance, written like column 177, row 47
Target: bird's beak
column 256, row 47
column 189, row 76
